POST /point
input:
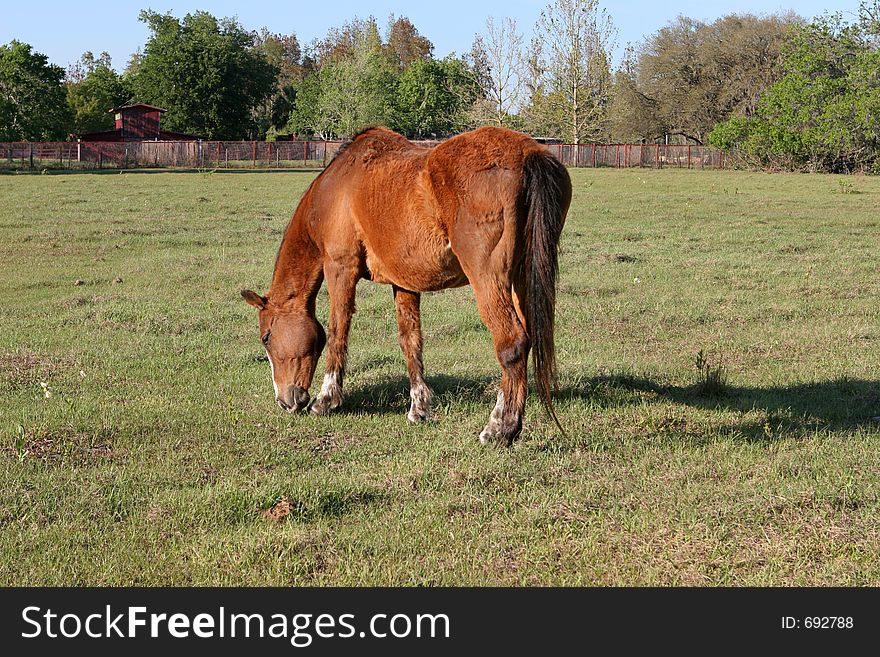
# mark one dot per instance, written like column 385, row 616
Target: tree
column 282, row 51
column 690, row 75
column 93, row 89
column 343, row 43
column 346, row 95
column 206, row 73
column 433, row 97
column 574, row 39
column 634, row 115
column 824, row 113
column 501, row 53
column 32, row 97
column 404, row 43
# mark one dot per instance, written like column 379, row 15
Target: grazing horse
column 485, row 208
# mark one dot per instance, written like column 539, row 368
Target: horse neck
column 298, row 267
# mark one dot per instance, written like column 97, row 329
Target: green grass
column 158, row 448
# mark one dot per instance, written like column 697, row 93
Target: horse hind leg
column 499, row 313
column 409, row 332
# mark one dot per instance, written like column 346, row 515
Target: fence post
column 31, row 154
column 689, row 156
column 306, row 154
column 226, row 149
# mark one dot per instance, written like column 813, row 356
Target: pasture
column 140, row 443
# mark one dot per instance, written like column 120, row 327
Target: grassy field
column 140, row 444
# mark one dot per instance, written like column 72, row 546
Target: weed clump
column 712, row 379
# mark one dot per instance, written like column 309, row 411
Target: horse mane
column 380, row 133
column 348, row 142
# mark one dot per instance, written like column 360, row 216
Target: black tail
column 547, row 188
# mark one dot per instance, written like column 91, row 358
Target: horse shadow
column 769, row 413
column 391, row 395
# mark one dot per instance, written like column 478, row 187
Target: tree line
column 777, row 89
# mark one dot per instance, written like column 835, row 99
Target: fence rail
column 290, row 154
column 173, row 154
column 656, row 156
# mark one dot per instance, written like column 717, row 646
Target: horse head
column 293, row 340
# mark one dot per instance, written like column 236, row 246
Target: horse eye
column 265, row 338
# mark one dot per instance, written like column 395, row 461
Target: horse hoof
column 416, row 418
column 488, row 437
column 492, row 436
column 321, row 407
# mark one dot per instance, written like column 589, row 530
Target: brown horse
column 484, row 208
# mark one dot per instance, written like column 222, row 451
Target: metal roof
column 122, row 107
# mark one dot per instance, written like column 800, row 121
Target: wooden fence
column 171, row 154
column 306, row 154
column 651, row 156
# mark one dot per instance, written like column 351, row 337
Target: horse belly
column 405, row 243
column 416, row 267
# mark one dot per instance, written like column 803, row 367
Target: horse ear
column 254, row 299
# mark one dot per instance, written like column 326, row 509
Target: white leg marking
column 328, row 385
column 330, row 396
column 420, row 408
column 492, row 428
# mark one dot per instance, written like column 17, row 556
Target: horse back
column 381, row 202
column 410, row 211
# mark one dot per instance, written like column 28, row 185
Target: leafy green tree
column 206, row 73
column 93, row 89
column 344, row 43
column 433, row 97
column 346, row 95
column 824, row 113
column 283, row 51
column 32, row 97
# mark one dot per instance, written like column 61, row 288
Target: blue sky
column 64, row 29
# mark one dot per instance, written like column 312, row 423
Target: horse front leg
column 409, row 333
column 341, row 284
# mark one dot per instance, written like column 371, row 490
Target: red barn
column 137, row 122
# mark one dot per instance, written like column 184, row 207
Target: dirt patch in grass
column 328, row 444
column 67, row 448
column 90, row 300
column 278, row 511
column 26, row 368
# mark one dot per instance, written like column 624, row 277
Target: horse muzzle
column 293, row 399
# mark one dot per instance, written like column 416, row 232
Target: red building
column 137, row 122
